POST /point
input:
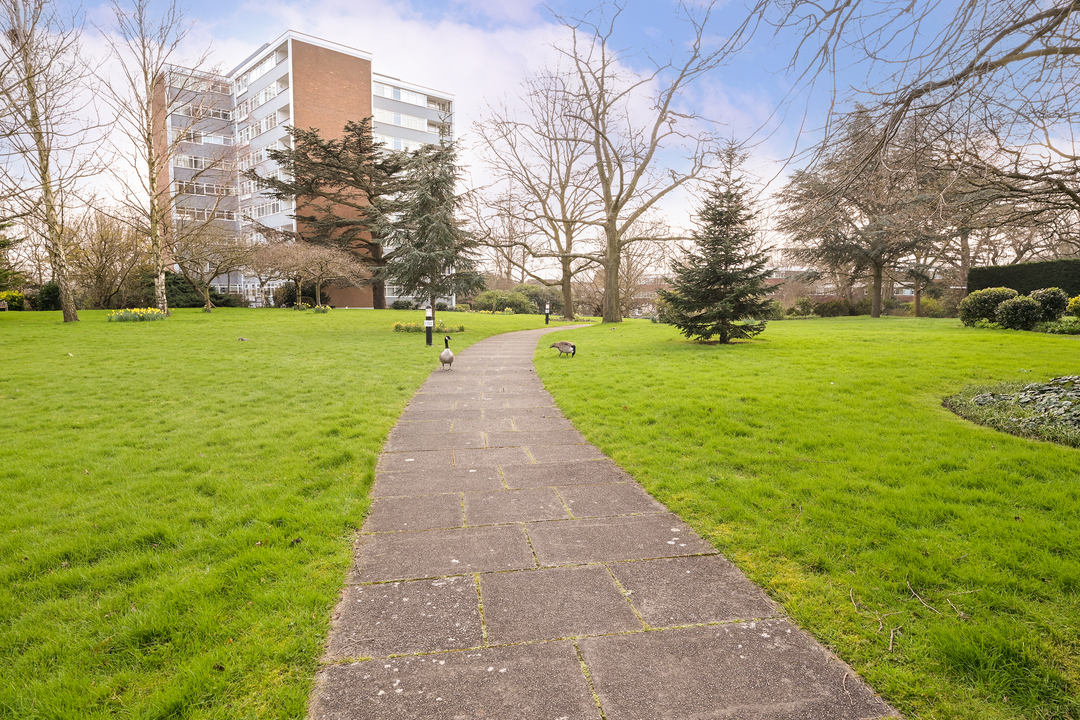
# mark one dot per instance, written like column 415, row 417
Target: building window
column 203, row 214
column 262, row 210
column 395, row 143
column 401, row 120
column 194, row 188
column 396, row 93
column 202, row 112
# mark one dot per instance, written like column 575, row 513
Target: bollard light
column 547, row 313
column 429, row 324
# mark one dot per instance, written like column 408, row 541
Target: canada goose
column 446, row 357
column 565, row 347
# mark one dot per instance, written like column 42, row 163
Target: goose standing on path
column 446, row 357
column 564, row 346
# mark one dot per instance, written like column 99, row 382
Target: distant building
column 231, row 121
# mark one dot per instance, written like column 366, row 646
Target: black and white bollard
column 429, row 325
column 547, row 313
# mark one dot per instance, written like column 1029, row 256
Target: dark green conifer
column 719, row 286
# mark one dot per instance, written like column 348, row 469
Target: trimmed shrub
column 442, row 307
column 499, row 300
column 982, row 304
column 834, row 308
column 15, row 300
column 1019, row 313
column 1054, row 301
column 1027, row 277
column 775, row 311
column 804, row 306
column 931, row 308
column 48, row 298
column 541, row 295
column 1074, row 306
column 402, row 305
column 865, row 307
column 462, row 307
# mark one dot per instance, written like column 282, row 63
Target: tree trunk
column 378, row 295
column 612, row 306
column 918, row 299
column 53, row 229
column 567, row 294
column 875, row 308
column 965, row 256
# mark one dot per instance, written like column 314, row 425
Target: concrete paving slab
column 685, row 591
column 521, row 438
column 422, row 427
column 530, row 400
column 629, row 537
column 555, row 603
column 415, row 460
column 513, row 506
column 448, row 393
column 430, row 482
column 483, row 404
column 523, row 412
column 541, row 424
column 752, row 671
column 604, row 500
column 481, row 425
column 525, row 682
column 415, row 513
column 406, row 617
column 410, row 416
column 444, row 441
column 421, row 404
column 564, row 453
column 437, row 553
column 592, row 472
column 489, row 457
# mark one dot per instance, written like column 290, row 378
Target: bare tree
column 149, row 92
column 43, row 134
column 106, row 254
column 546, row 193
column 268, row 263
column 322, row 264
column 210, row 251
column 634, row 123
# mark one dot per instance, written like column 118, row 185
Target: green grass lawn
column 178, row 506
column 940, row 558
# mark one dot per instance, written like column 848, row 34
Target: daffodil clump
column 322, row 308
column 440, row 327
column 136, row 315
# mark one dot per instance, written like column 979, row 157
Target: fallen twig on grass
column 892, row 636
column 961, row 614
column 916, row 596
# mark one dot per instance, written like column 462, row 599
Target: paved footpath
column 508, row 570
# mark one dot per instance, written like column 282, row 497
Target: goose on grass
column 566, row 347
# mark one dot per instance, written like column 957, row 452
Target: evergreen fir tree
column 719, row 287
column 433, row 254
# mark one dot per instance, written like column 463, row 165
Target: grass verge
column 940, row 558
column 179, row 505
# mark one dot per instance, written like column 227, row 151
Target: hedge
column 1027, row 277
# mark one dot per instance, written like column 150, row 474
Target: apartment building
column 296, row 80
